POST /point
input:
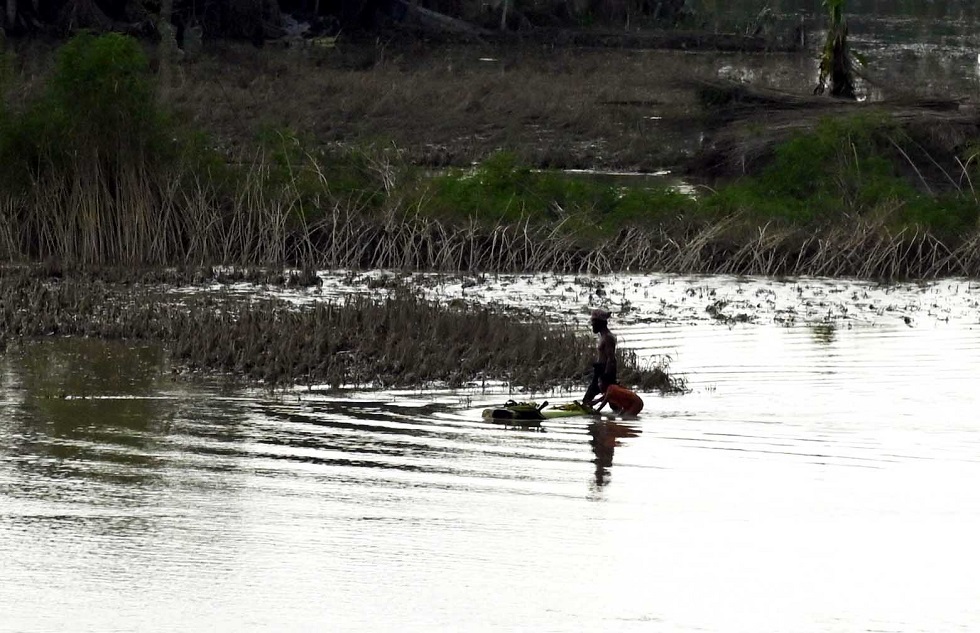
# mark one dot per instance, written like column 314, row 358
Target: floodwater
column 820, row 475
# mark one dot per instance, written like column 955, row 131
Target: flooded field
column 819, row 476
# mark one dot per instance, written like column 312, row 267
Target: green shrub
column 97, row 115
column 503, row 190
column 647, row 206
column 102, row 88
column 947, row 216
column 842, row 160
column 499, row 189
column 321, row 178
column 846, row 166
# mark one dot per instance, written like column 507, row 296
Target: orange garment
column 623, row 399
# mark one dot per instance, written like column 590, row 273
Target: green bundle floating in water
column 532, row 411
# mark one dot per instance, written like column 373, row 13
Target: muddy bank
column 745, row 124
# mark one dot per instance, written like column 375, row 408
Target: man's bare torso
column 606, row 351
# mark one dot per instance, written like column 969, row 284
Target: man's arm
column 601, row 401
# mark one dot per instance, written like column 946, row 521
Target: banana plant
column 837, row 64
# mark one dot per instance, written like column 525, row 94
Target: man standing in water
column 604, row 367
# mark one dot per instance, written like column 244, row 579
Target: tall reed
column 199, row 224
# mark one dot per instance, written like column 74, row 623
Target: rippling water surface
column 820, row 476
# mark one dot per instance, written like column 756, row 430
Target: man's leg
column 593, row 390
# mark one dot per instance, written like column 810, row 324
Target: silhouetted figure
column 604, row 366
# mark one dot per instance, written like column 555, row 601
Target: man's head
column 599, row 319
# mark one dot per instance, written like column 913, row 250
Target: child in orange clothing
column 619, row 399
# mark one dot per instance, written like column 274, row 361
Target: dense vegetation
column 858, row 167
column 118, row 180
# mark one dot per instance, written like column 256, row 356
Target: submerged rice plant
column 401, row 340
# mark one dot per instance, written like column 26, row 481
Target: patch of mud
column 673, row 299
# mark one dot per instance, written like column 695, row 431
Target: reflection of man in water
column 605, row 436
column 603, row 445
column 604, row 366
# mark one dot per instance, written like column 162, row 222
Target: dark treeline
column 262, row 20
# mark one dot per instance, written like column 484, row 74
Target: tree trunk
column 11, row 13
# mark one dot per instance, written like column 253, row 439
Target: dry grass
column 192, row 224
column 173, row 217
column 442, row 105
column 865, row 248
column 862, row 247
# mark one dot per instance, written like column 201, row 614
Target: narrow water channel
column 819, row 476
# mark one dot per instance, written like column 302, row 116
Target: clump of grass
column 402, row 340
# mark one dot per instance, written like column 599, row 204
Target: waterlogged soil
column 665, row 300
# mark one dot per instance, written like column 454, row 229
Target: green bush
column 503, row 190
column 946, row 216
column 842, row 159
column 646, row 206
column 499, row 189
column 97, row 115
column 321, row 178
column 102, row 88
column 846, row 166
